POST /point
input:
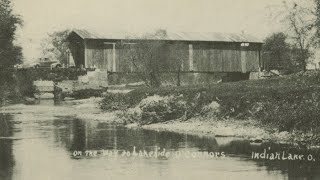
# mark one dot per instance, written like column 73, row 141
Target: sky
column 232, row 16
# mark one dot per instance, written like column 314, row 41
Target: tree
column 10, row 54
column 300, row 22
column 276, row 51
column 56, row 46
column 147, row 57
column 178, row 53
column 152, row 57
column 317, row 20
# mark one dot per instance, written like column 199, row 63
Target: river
column 48, row 142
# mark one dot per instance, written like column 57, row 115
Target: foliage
column 116, row 101
column 56, row 46
column 285, row 103
column 154, row 109
column 299, row 21
column 276, row 51
column 211, row 110
column 15, row 86
column 151, row 56
column 51, row 75
column 10, row 54
column 86, row 93
column 296, row 111
column 146, row 57
column 177, row 54
column 317, row 21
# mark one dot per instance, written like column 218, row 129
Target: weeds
column 285, row 103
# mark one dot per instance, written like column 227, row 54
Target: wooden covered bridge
column 204, row 52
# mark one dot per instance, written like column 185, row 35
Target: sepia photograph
column 159, row 89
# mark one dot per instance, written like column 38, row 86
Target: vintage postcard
column 159, row 89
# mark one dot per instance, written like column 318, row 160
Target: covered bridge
column 204, row 52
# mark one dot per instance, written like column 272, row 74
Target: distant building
column 205, row 52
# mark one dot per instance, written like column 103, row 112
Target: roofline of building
column 142, row 39
column 103, row 39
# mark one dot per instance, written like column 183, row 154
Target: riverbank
column 15, row 87
column 282, row 108
column 207, row 127
column 88, row 110
column 249, row 130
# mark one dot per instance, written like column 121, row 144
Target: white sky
column 45, row 16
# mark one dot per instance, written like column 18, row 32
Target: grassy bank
column 14, row 86
column 288, row 103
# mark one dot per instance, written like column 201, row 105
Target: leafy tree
column 147, row 57
column 316, row 13
column 10, row 54
column 56, row 46
column 300, row 21
column 152, row 56
column 317, row 21
column 178, row 52
column 276, row 51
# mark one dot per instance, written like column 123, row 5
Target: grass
column 14, row 86
column 289, row 103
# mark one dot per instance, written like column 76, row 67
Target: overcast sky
column 45, row 16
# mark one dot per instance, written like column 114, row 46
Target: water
column 40, row 142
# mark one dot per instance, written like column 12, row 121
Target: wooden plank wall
column 77, row 52
column 206, row 58
column 217, row 60
column 101, row 56
column 185, row 59
column 229, row 59
column 77, row 49
column 252, row 61
column 108, row 58
column 95, row 58
column 179, row 53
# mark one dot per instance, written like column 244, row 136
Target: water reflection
column 42, row 149
column 93, row 135
column 6, row 153
column 96, row 136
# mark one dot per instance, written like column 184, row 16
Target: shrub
column 154, row 109
column 116, row 101
column 286, row 103
column 86, row 93
column 132, row 115
column 211, row 110
column 296, row 111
